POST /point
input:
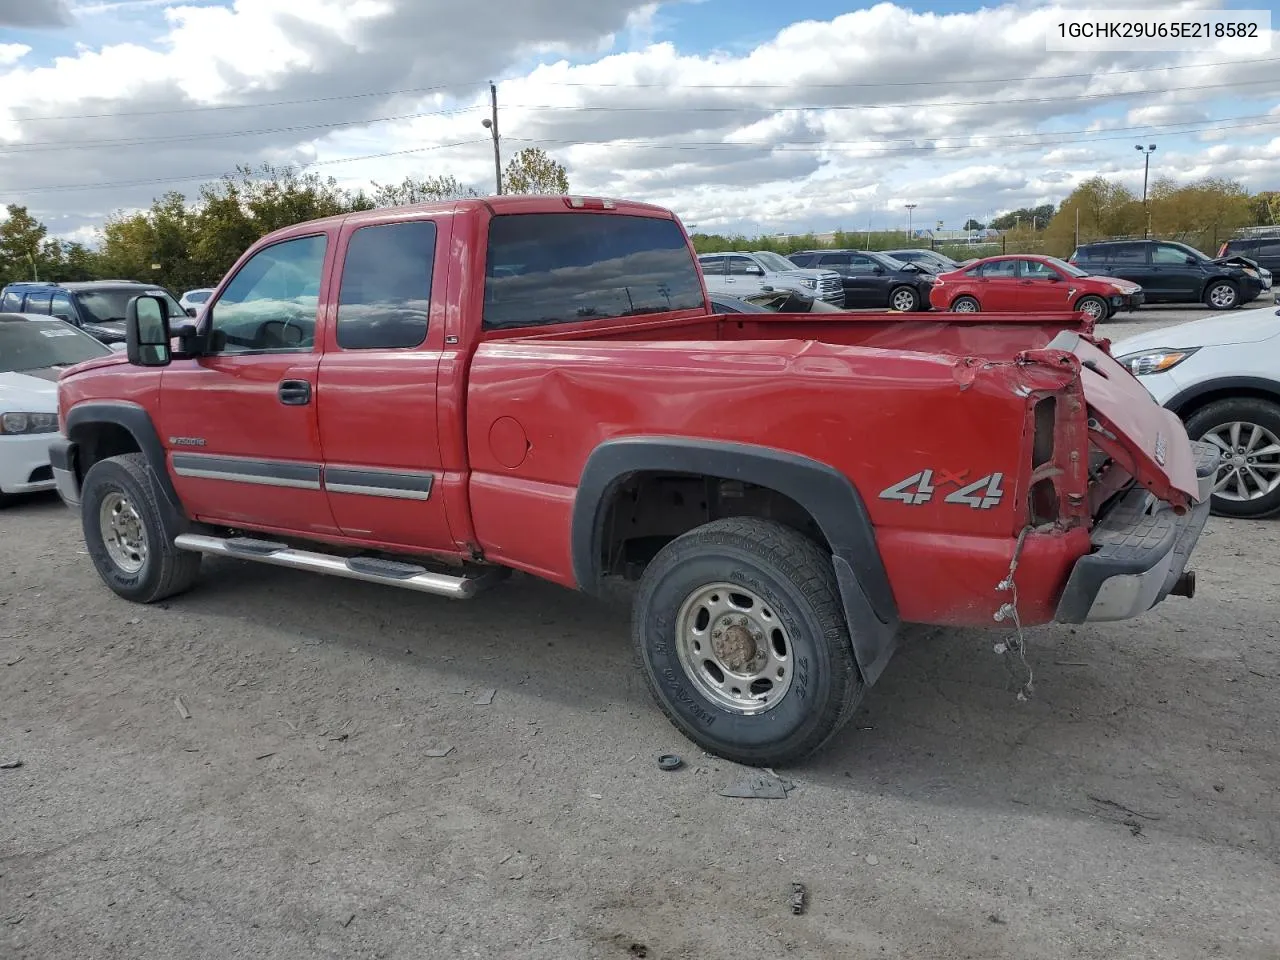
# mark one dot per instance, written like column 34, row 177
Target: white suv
column 742, row 274
column 1221, row 375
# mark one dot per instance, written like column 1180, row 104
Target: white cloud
column 826, row 121
column 12, row 53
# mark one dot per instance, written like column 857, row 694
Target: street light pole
column 1146, row 171
column 491, row 124
column 910, row 207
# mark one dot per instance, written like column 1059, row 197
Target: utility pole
column 1146, row 170
column 491, row 124
column 910, row 207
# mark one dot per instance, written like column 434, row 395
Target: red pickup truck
column 432, row 396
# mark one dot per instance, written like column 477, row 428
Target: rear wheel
column 965, row 305
column 1222, row 295
column 1095, row 307
column 743, row 642
column 1246, row 431
column 904, row 299
column 127, row 535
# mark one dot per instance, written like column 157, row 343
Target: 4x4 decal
column 919, row 488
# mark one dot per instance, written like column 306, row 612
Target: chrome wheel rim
column 734, row 649
column 965, row 306
column 1222, row 296
column 1093, row 308
column 904, row 300
column 122, row 531
column 1250, row 467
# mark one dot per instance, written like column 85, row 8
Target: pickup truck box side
column 429, row 397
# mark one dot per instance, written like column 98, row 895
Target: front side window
column 1036, row 270
column 860, row 264
column 742, row 266
column 569, row 267
column 60, row 306
column 386, row 286
column 1167, row 253
column 270, row 304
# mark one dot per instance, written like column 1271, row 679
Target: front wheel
column 1246, row 431
column 965, row 305
column 905, row 300
column 1095, row 308
column 739, row 630
column 1222, row 295
column 127, row 535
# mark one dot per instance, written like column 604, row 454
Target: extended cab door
column 239, row 423
column 378, row 378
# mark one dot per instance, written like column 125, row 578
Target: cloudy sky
column 756, row 115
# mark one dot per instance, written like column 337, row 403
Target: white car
column 741, row 274
column 33, row 351
column 195, row 299
column 1221, row 375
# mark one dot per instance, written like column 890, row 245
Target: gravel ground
column 1129, row 809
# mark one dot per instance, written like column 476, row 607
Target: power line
column 834, row 85
column 41, row 146
column 67, row 187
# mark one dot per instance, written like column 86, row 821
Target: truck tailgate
column 1128, row 424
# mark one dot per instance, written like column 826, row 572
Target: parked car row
column 1099, row 279
column 95, row 306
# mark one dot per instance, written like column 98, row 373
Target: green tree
column 1201, row 213
column 1106, row 208
column 22, row 245
column 420, row 190
column 532, row 171
column 972, row 224
column 1034, row 217
column 1265, row 208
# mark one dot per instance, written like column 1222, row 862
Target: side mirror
column 146, row 329
column 1053, row 278
column 1190, row 259
column 879, row 271
column 191, row 311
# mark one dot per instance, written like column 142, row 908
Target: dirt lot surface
column 1128, row 809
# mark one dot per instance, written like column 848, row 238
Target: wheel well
column 1189, row 407
column 649, row 509
column 98, row 441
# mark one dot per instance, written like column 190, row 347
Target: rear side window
column 1268, row 248
column 11, row 302
column 1000, row 269
column 801, row 259
column 1127, row 254
column 37, row 302
column 568, row 267
column 386, row 286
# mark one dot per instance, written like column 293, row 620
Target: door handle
column 294, row 393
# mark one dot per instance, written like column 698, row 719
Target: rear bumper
column 62, row 453
column 1140, row 552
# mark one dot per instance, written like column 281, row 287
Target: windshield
column 39, row 344
column 773, row 262
column 105, row 306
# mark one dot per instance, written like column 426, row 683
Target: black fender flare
column 135, row 419
column 828, row 495
column 1183, row 399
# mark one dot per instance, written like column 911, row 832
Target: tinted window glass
column 567, row 267
column 741, row 266
column 834, row 260
column 199, row 296
column 802, row 259
column 860, row 264
column 712, row 266
column 1163, row 253
column 386, row 286
column 11, row 302
column 1268, row 248
column 1000, row 269
column 37, row 302
column 105, row 306
column 37, row 344
column 270, row 304
column 1135, row 253
column 60, row 306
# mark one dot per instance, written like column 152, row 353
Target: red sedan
column 1032, row 283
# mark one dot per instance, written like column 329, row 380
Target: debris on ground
column 183, row 712
column 996, row 918
column 439, row 751
column 347, row 922
column 486, row 697
column 669, row 761
column 14, row 662
column 10, row 765
column 873, row 860
column 760, row 786
column 265, row 755
column 1103, row 801
column 798, row 894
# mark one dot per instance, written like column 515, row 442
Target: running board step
column 394, row 573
